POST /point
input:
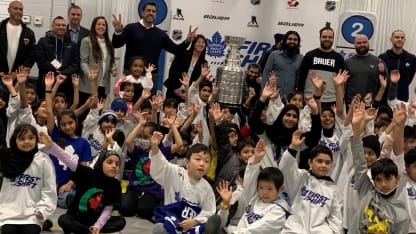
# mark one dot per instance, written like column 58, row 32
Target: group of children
column 200, row 167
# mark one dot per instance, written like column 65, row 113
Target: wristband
column 48, row 91
column 316, row 97
column 224, row 206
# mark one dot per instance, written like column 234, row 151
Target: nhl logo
column 255, row 2
column 330, row 5
column 177, row 34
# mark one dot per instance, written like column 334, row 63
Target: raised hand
column 91, row 100
column 370, row 114
column 275, row 94
column 217, row 113
column 357, row 118
column 7, row 80
column 101, row 104
column 273, row 78
column 150, row 67
column 269, row 89
column 297, row 139
column 191, row 34
column 318, row 82
column 225, row 191
column 197, row 107
column 341, row 77
column 394, row 76
column 259, row 152
column 75, row 80
column 146, row 93
column 49, row 80
column 383, row 80
column 21, row 74
column 156, row 138
column 311, row 102
column 60, row 79
column 215, row 89
column 117, row 24
column 399, row 114
column 185, row 79
column 205, row 70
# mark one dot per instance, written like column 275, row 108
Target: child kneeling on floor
column 189, row 199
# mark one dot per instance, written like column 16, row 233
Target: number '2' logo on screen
column 356, row 25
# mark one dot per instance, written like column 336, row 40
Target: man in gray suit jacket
column 75, row 31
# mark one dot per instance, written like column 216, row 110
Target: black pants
column 22, row 228
column 139, row 203
column 71, row 224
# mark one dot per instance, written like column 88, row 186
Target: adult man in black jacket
column 17, row 41
column 58, row 54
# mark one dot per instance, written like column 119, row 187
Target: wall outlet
column 26, row 19
column 38, row 20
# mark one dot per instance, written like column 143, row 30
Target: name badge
column 56, row 64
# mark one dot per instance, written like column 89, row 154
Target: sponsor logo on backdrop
column 293, row 3
column 177, row 34
column 290, row 24
column 217, row 17
column 216, row 45
column 218, row 1
column 255, row 2
column 178, row 15
column 251, row 51
column 162, row 10
column 253, row 22
column 330, row 5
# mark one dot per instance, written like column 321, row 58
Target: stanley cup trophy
column 230, row 77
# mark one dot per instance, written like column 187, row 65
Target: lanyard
column 59, row 58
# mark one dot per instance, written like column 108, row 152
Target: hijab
column 13, row 161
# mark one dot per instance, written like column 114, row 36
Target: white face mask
column 144, row 144
column 389, row 192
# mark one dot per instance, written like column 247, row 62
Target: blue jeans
column 62, row 198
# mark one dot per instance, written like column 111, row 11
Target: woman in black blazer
column 190, row 62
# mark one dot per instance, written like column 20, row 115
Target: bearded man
column 285, row 63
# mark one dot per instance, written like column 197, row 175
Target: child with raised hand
column 98, row 192
column 143, row 193
column 379, row 211
column 265, row 212
column 316, row 205
column 19, row 110
column 65, row 135
column 189, row 199
column 131, row 87
column 28, row 190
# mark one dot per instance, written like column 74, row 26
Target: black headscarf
column 110, row 185
column 277, row 132
column 13, row 161
column 329, row 132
